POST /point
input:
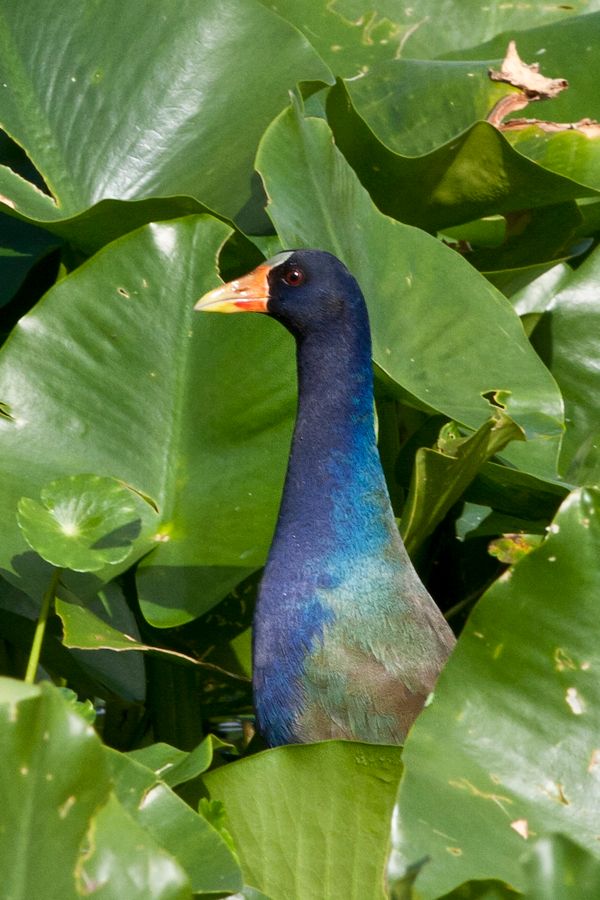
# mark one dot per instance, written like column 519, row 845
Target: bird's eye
column 294, row 277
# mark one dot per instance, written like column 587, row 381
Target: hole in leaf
column 14, row 157
column 496, row 398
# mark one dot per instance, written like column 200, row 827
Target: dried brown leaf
column 527, row 77
column 528, row 81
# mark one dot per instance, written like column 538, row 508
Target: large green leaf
column 568, row 339
column 440, row 331
column 48, row 754
column 416, row 106
column 350, row 40
column 436, row 26
column 563, row 49
column 311, row 821
column 509, row 748
column 413, row 130
column 131, row 102
column 113, row 372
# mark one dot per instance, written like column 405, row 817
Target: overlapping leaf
column 185, row 835
column 121, row 829
column 48, row 753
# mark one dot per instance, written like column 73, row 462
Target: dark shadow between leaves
column 120, row 537
column 31, row 574
column 542, row 339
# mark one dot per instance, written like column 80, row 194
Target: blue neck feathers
column 335, row 491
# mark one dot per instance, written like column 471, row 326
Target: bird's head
column 305, row 290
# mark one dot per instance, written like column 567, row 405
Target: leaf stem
column 40, row 628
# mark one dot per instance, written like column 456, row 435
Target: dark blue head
column 311, row 290
column 306, row 290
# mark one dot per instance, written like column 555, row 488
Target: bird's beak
column 247, row 294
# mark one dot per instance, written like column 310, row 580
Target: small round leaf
column 83, row 523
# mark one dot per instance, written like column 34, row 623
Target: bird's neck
column 335, row 399
column 335, row 492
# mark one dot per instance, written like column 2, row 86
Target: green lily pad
column 83, row 523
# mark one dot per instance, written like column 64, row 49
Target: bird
column 347, row 642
